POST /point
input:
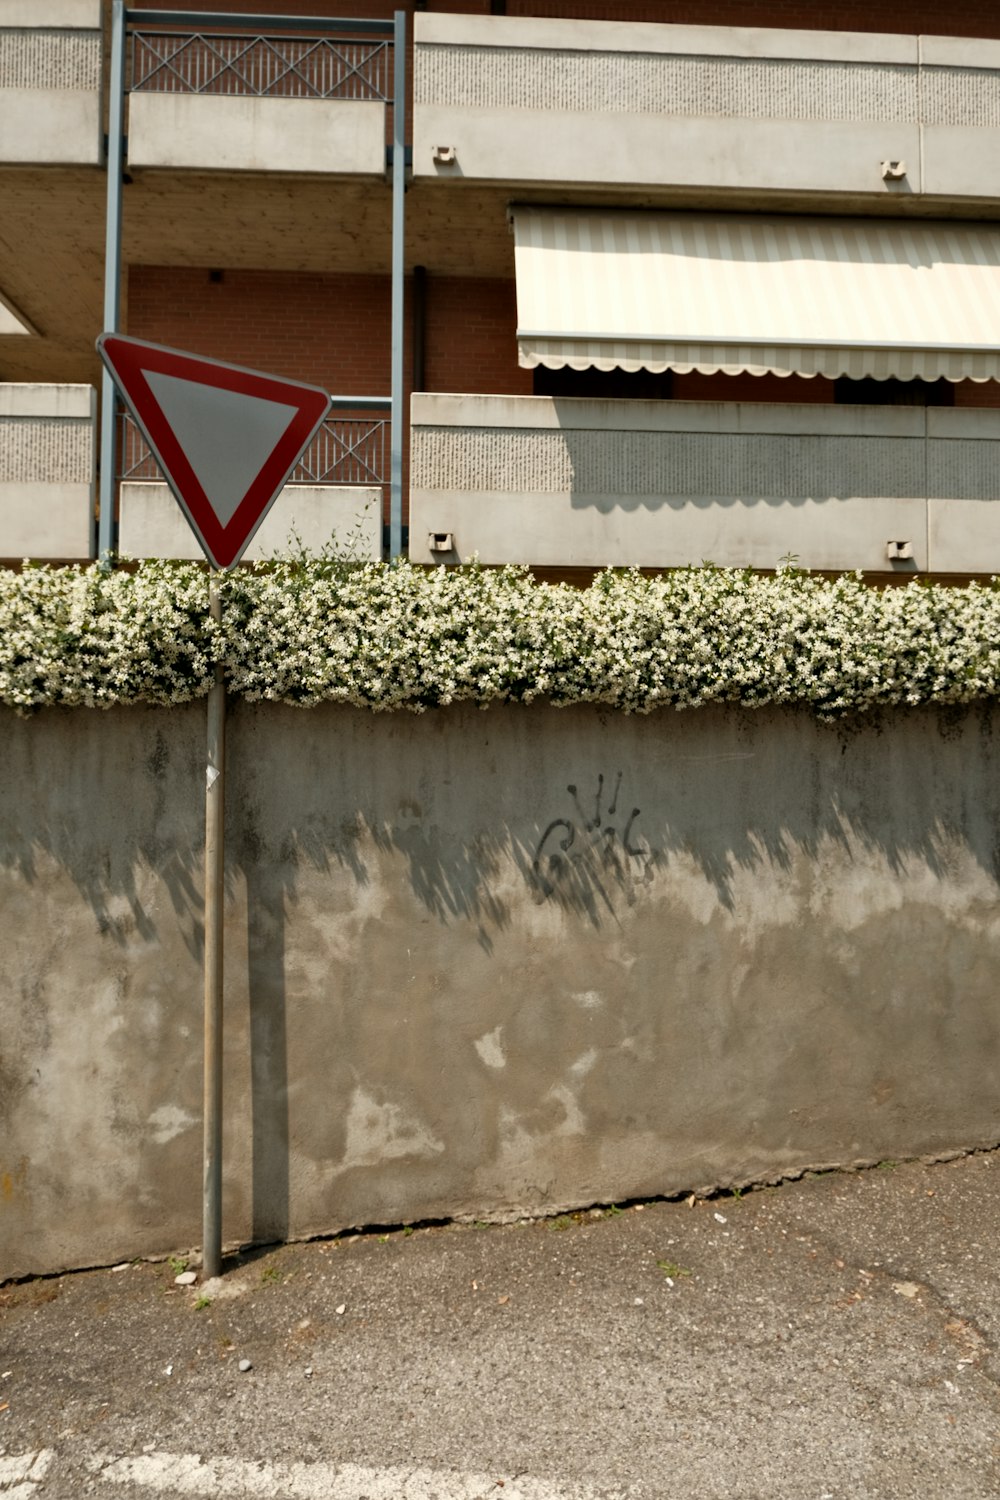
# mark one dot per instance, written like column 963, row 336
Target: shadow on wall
column 354, row 838
column 587, row 804
column 707, row 470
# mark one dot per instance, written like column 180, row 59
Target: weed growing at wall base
column 389, row 636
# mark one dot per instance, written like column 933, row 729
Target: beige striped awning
column 732, row 292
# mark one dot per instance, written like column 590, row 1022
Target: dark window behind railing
column 275, row 67
column 347, row 450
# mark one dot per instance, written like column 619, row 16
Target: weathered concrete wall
column 565, row 481
column 48, row 477
column 50, row 81
column 348, row 517
column 241, row 134
column 751, row 109
column 485, row 962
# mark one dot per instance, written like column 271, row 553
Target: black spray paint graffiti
column 577, row 855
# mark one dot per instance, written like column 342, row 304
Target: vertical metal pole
column 398, row 271
column 112, row 275
column 215, row 812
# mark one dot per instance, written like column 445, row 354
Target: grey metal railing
column 347, row 450
column 133, row 459
column 284, row 67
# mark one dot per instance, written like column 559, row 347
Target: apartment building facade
column 670, row 281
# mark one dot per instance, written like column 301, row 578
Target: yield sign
column 225, row 438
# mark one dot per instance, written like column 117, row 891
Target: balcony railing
column 336, row 493
column 346, row 451
column 47, row 458
column 50, row 83
column 572, row 482
column 282, row 67
column 673, row 106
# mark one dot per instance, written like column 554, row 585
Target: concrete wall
column 553, row 481
column 152, row 524
column 237, row 134
column 484, row 963
column 50, row 81
column 47, row 471
column 715, row 107
column 960, row 108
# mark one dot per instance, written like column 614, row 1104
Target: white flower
column 390, row 636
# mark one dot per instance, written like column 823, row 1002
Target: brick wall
column 332, row 330
column 329, row 330
column 969, row 393
column 933, row 17
column 376, row 9
column 472, row 337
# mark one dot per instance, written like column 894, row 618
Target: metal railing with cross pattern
column 284, row 67
column 349, row 449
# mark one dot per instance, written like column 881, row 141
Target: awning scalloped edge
column 856, row 364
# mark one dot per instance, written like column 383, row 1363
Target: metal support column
column 112, row 276
column 398, row 272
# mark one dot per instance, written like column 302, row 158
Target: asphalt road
column 831, row 1338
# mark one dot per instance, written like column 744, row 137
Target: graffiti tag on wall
column 599, row 841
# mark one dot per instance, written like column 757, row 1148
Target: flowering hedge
column 385, row 636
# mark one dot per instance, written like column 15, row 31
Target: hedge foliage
column 388, row 636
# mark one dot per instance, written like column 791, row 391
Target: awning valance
column 616, row 289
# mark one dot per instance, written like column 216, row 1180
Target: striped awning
column 739, row 293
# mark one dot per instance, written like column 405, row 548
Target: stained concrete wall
column 567, row 481
column 50, row 81
column 48, row 480
column 758, row 110
column 485, row 963
column 248, row 134
column 346, row 517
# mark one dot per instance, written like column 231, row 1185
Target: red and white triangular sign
column 225, row 438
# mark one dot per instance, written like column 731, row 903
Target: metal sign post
column 112, row 278
column 398, row 281
column 215, row 841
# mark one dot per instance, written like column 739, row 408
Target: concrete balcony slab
column 574, row 483
column 247, row 134
column 47, row 461
column 349, row 518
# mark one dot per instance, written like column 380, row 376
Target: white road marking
column 177, row 1474
column 21, row 1472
